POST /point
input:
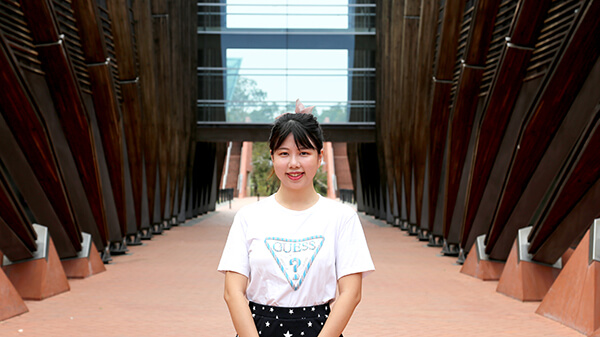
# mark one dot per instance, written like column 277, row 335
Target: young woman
column 287, row 255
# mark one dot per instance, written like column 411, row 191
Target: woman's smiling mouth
column 295, row 175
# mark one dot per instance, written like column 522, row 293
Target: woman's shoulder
column 336, row 206
column 256, row 207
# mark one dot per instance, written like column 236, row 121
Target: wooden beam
column 106, row 107
column 130, row 91
column 69, row 106
column 425, row 58
column 147, row 65
column 445, row 60
column 466, row 102
column 500, row 103
column 21, row 115
column 17, row 236
column 581, row 51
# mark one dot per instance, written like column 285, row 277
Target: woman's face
column 295, row 167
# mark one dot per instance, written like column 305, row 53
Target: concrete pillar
column 245, row 167
column 330, row 168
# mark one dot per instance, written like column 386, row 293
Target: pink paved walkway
column 169, row 287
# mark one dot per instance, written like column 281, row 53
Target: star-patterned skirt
column 289, row 322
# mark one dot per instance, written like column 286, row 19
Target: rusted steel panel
column 581, row 51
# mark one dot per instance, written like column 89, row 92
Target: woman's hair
column 305, row 128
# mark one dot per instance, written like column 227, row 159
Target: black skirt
column 289, row 322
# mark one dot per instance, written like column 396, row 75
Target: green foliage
column 336, row 114
column 261, row 170
column 247, row 102
column 320, row 181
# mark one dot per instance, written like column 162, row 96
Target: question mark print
column 295, row 262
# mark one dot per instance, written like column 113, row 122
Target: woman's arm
column 350, row 294
column 235, row 296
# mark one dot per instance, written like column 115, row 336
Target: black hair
column 305, row 128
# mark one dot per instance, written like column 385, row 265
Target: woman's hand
column 235, row 297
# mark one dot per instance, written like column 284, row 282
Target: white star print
column 309, row 324
column 267, row 324
column 287, row 334
column 313, row 309
column 271, row 310
column 302, row 333
column 253, row 308
column 291, row 311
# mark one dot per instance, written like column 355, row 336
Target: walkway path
column 169, row 287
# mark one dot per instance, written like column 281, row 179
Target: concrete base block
column 38, row 278
column 87, row 263
column 481, row 267
column 524, row 280
column 574, row 298
column 11, row 303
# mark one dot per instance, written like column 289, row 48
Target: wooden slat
column 147, row 67
column 130, row 104
column 90, row 27
column 580, row 54
column 427, row 32
column 466, row 102
column 160, row 24
column 499, row 106
column 392, row 97
column 408, row 77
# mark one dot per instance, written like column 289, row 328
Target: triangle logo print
column 294, row 257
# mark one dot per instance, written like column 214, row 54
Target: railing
column 347, row 196
column 226, row 194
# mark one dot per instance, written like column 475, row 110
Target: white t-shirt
column 294, row 258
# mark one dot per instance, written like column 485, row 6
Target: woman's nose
column 294, row 161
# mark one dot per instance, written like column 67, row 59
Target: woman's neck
column 296, row 200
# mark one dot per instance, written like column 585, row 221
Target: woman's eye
column 304, row 153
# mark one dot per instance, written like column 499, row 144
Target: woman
column 288, row 254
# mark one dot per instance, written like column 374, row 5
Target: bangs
column 302, row 137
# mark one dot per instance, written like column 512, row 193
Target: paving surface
column 170, row 287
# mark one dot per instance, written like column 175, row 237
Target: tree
column 262, row 170
column 247, row 100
